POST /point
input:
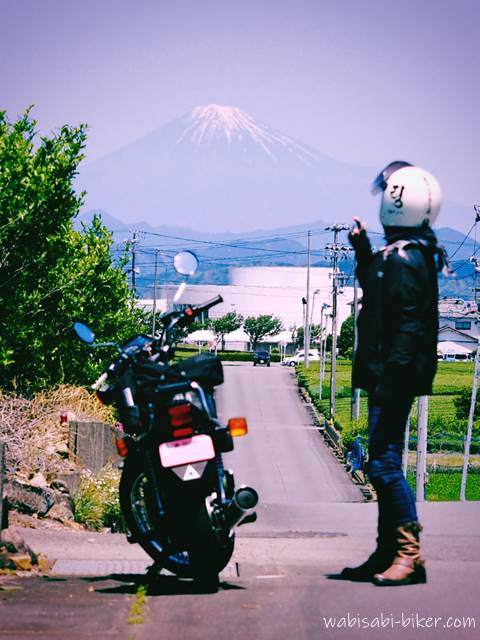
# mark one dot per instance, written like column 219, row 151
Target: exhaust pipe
column 243, row 501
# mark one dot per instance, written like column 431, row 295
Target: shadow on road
column 339, row 576
column 156, row 586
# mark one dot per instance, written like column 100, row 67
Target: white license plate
column 186, row 451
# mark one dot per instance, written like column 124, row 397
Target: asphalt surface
column 287, row 561
column 283, row 456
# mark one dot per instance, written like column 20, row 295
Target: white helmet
column 411, row 196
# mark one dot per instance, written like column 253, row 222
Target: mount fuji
column 216, row 169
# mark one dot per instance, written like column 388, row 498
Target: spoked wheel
column 137, row 503
column 203, row 558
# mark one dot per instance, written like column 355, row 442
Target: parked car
column 291, row 361
column 455, row 357
column 261, row 357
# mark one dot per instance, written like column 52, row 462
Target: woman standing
column 397, row 356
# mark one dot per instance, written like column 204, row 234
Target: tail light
column 238, row 427
column 181, row 420
column 122, row 447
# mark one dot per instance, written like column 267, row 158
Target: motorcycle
column 178, row 501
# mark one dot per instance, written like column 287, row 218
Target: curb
column 332, row 438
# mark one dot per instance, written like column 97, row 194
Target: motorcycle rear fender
column 223, row 440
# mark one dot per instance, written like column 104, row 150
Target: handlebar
column 199, row 308
column 185, row 317
column 170, row 320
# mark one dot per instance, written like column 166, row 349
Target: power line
column 463, row 241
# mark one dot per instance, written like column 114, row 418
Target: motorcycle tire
column 138, row 510
column 205, row 558
column 209, row 555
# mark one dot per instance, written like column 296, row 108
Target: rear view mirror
column 83, row 332
column 185, row 263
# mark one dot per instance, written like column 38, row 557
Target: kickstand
column 153, row 571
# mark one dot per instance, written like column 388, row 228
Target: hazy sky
column 365, row 81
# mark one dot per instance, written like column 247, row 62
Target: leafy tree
column 225, row 324
column 50, row 273
column 345, row 339
column 314, row 335
column 260, row 327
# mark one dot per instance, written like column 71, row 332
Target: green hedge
column 227, row 356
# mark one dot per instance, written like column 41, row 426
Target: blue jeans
column 387, row 419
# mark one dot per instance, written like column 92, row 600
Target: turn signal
column 238, row 427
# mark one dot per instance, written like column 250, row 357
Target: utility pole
column 355, row 414
column 306, row 327
column 133, row 243
column 471, row 417
column 321, row 362
column 311, row 312
column 473, row 401
column 324, row 356
column 336, row 249
column 422, row 430
column 154, row 306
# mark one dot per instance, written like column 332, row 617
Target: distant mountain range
column 216, row 169
column 278, row 246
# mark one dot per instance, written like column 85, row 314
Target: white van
column 291, row 361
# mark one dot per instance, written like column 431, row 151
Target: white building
column 256, row 291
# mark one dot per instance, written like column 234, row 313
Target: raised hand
column 359, row 239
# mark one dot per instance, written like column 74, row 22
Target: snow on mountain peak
column 213, row 122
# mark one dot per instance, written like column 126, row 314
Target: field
column 445, row 431
column 443, row 486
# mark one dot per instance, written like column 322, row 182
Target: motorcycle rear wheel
column 206, row 555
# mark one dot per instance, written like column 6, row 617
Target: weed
column 137, row 610
column 31, row 428
column 96, row 504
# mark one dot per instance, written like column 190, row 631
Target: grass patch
column 445, row 486
column 137, row 610
column 97, row 504
column 445, row 431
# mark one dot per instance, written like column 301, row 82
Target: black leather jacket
column 398, row 320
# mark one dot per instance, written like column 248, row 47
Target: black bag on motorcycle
column 206, row 369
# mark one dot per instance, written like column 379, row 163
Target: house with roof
column 458, row 328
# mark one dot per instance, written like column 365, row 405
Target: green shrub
column 96, row 504
column 445, row 485
column 462, row 404
column 232, row 356
column 351, row 431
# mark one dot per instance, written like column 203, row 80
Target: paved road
column 287, row 560
column 283, row 456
